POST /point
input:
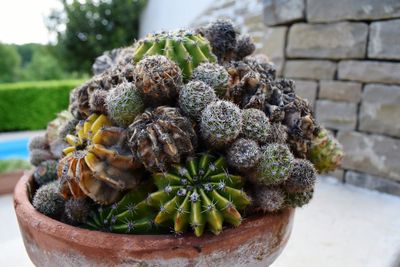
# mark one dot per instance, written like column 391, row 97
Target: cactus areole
column 187, row 135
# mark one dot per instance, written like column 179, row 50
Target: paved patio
column 343, row 226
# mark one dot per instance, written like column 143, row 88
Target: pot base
column 257, row 242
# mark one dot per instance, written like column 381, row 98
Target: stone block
column 283, row 11
column 380, row 109
column 338, row 174
column 336, row 10
column 340, row 91
column 310, row 69
column 307, row 90
column 369, row 71
column 335, row 41
column 273, row 44
column 336, row 115
column 372, row 182
column 384, row 39
column 374, row 154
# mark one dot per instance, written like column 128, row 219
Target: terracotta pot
column 8, row 181
column 257, row 242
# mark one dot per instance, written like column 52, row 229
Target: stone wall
column 345, row 58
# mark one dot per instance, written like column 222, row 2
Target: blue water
column 17, row 148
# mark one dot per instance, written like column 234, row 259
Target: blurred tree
column 43, row 66
column 9, row 63
column 87, row 28
column 26, row 52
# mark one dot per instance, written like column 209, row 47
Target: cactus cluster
column 186, row 48
column 183, row 130
column 199, row 193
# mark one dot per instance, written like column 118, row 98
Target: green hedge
column 30, row 105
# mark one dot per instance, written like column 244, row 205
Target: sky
column 22, row 21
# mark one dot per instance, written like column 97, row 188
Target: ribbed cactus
column 187, row 49
column 199, row 193
column 130, row 215
column 325, row 152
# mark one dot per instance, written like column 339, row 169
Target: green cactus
column 194, row 97
column 221, row 123
column 244, row 154
column 214, row 75
column 124, row 103
column 255, row 125
column 302, row 176
column 45, row 172
column 298, row 199
column 187, row 49
column 274, row 165
column 325, row 152
column 200, row 193
column 130, row 215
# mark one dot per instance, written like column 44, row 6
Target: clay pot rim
column 58, row 230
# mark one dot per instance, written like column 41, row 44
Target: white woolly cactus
column 124, row 102
column 243, row 154
column 268, row 198
column 48, row 200
column 221, row 123
column 194, row 97
column 255, row 125
column 214, row 75
column 298, row 199
column 274, row 166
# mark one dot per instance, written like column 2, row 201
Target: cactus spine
column 187, row 49
column 200, row 193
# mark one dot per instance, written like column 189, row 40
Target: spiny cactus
column 37, row 156
column 48, row 200
column 194, row 97
column 78, row 210
column 45, row 172
column 98, row 163
column 161, row 136
column 302, row 176
column 187, row 49
column 38, row 142
column 68, row 128
column 222, row 36
column 244, row 154
column 276, row 133
column 200, row 193
column 97, row 101
column 158, row 79
column 325, row 152
column 130, row 215
column 244, row 47
column 214, row 75
column 255, row 125
column 221, row 123
column 274, row 165
column 124, row 103
column 298, row 199
column 267, row 198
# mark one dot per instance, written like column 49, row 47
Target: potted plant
column 188, row 152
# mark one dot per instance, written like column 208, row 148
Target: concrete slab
column 343, row 226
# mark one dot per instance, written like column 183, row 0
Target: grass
column 11, row 165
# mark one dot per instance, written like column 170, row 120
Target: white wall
column 170, row 14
